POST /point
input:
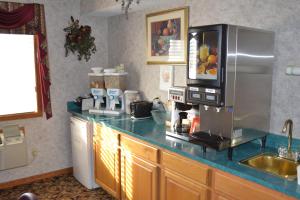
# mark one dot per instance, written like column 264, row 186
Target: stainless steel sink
column 273, row 164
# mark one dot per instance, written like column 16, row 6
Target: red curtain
column 30, row 19
column 16, row 18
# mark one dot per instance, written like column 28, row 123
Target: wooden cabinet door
column 177, row 187
column 221, row 197
column 139, row 178
column 107, row 171
column 242, row 189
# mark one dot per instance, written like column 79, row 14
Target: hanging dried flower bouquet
column 79, row 40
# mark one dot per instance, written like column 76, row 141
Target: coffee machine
column 181, row 114
column 116, row 102
column 229, row 74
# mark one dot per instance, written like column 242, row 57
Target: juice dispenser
column 229, row 74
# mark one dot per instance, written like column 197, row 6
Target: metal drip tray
column 182, row 136
column 211, row 141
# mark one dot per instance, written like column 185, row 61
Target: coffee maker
column 229, row 74
column 181, row 114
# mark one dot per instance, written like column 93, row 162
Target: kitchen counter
column 148, row 131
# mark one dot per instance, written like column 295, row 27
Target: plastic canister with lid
column 130, row 96
column 115, row 80
column 96, row 80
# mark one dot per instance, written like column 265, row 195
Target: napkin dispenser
column 13, row 147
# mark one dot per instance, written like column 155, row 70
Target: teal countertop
column 148, row 131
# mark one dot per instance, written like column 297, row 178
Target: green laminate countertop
column 148, row 131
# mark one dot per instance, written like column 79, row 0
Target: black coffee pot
column 179, row 127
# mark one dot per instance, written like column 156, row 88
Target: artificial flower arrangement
column 79, row 40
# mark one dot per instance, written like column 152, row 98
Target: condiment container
column 96, row 80
column 97, row 70
column 115, row 80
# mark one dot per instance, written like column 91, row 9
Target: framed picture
column 167, row 36
column 166, row 77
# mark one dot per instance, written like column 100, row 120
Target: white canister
column 130, row 96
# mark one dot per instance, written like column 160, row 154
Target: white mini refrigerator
column 82, row 152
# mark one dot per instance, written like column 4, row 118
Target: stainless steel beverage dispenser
column 229, row 74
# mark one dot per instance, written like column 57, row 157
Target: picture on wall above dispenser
column 166, row 35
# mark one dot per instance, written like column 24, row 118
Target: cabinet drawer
column 178, row 187
column 106, row 134
column 139, row 149
column 186, row 167
column 217, row 196
column 244, row 190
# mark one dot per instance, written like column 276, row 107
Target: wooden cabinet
column 188, row 168
column 140, row 149
column 183, row 178
column 139, row 179
column 128, row 166
column 130, row 169
column 177, row 187
column 139, row 175
column 221, row 197
column 107, row 155
column 241, row 189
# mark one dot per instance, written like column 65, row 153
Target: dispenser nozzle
column 206, row 107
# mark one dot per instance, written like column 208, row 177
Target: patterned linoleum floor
column 61, row 188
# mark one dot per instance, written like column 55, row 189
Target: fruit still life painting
column 166, row 36
column 162, row 33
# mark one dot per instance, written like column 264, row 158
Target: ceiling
column 108, row 8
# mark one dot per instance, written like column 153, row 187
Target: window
column 19, row 88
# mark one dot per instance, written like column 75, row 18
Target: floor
column 63, row 188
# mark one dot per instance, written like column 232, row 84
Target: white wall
column 51, row 138
column 127, row 45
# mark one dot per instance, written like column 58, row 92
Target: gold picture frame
column 166, row 36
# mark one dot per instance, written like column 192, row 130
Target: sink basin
column 273, row 164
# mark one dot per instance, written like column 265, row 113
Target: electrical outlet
column 34, row 153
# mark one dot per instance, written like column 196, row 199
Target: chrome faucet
column 288, row 128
